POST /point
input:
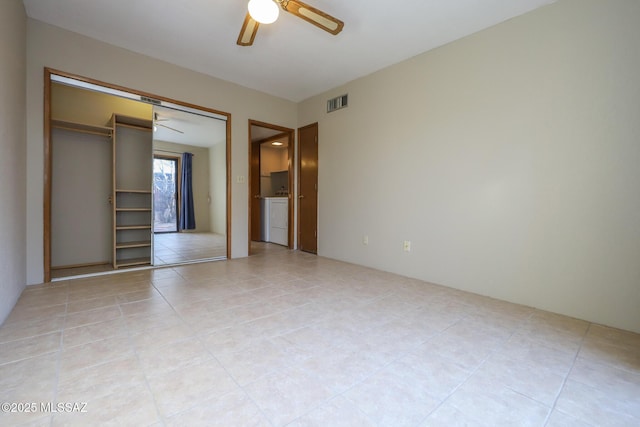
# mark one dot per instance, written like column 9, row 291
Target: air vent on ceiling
column 337, row 103
column 150, row 100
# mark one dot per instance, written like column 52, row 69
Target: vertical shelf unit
column 132, row 191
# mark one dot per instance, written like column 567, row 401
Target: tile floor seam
column 242, row 323
column 355, row 384
column 313, row 408
column 329, row 400
column 173, row 307
column 529, row 398
column 319, row 404
column 28, row 357
column 342, row 394
column 59, row 361
column 604, row 365
column 611, row 365
column 566, row 376
column 63, row 348
column 144, row 374
column 246, row 393
column 484, row 360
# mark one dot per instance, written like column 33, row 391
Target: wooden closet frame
column 48, row 72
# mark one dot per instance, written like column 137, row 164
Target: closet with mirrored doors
column 105, row 185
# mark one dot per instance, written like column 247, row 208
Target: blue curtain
column 187, row 215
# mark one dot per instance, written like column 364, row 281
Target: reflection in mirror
column 189, row 212
column 165, row 194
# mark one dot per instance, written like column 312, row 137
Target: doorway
column 270, row 184
column 99, row 114
column 165, row 194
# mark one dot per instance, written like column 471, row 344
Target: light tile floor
column 169, row 248
column 173, row 248
column 288, row 338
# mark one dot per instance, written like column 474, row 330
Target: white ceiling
column 291, row 58
column 196, row 130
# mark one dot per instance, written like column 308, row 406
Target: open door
column 308, row 188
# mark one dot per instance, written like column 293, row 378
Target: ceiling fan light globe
column 264, row 11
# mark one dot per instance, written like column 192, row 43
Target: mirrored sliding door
column 190, row 202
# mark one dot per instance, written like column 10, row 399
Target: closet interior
column 132, row 203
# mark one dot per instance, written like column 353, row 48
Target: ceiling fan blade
column 248, row 31
column 169, row 127
column 314, row 16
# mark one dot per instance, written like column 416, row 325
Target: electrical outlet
column 365, row 240
column 406, row 246
column 240, row 179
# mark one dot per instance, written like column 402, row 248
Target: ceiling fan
column 157, row 119
column 267, row 11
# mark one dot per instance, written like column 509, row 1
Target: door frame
column 178, row 191
column 290, row 162
column 48, row 72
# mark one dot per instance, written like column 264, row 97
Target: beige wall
column 13, row 39
column 200, row 179
column 509, row 159
column 49, row 46
column 85, row 106
column 272, row 159
column 218, row 188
